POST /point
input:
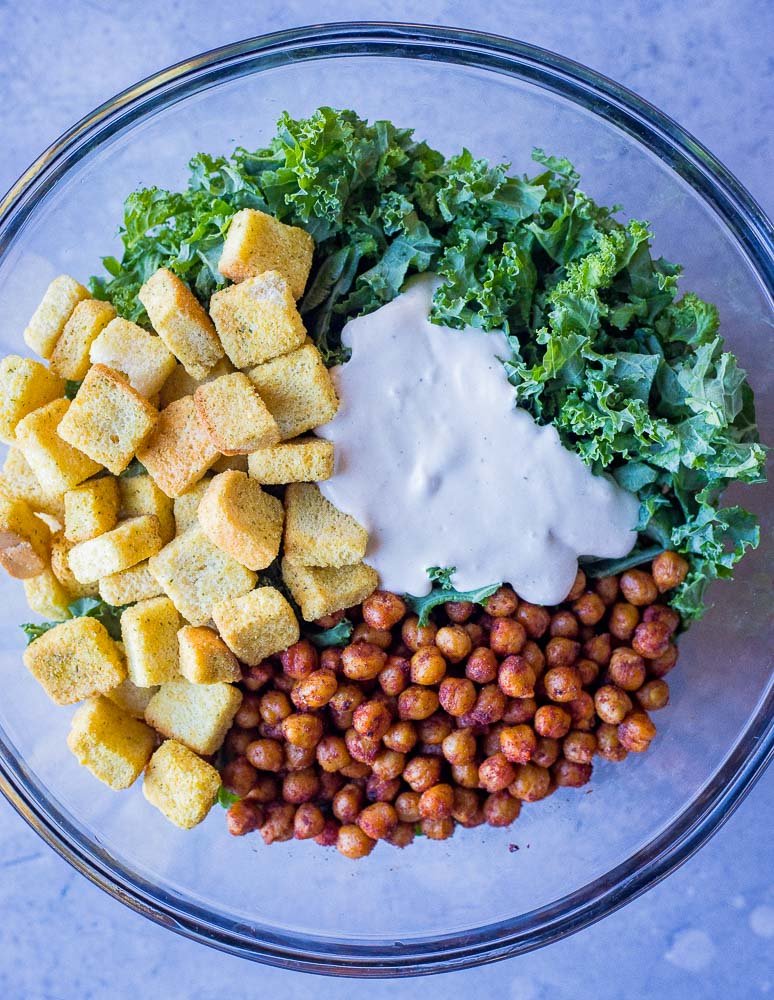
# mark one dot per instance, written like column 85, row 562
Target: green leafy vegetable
column 443, row 591
column 338, row 635
column 71, row 388
column 84, row 607
column 33, row 631
column 226, row 798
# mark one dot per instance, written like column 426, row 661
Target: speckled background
column 708, row 931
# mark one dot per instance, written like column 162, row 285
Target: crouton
column 186, row 506
column 197, row 715
column 136, row 583
column 235, row 415
column 114, row 746
column 257, row 319
column 18, row 480
column 297, row 391
column 205, row 658
column 140, row 495
column 47, row 597
column 44, row 329
column 179, row 451
column 25, row 541
column 132, row 699
column 230, row 463
column 180, row 785
column 320, row 592
column 196, row 574
column 257, row 624
column 317, row 533
column 257, row 242
column 57, row 465
column 124, row 546
column 75, row 660
column 60, row 567
column 242, row 520
column 178, row 318
column 91, row 509
column 108, row 420
column 25, row 385
column 71, row 356
column 303, row 460
column 141, row 357
column 149, row 631
column 180, row 383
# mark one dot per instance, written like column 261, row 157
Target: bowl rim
column 753, row 748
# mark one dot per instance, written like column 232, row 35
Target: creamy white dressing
column 438, row 464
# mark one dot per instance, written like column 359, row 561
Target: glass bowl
column 486, row 893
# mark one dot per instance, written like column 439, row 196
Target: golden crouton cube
column 18, row 480
column 60, row 567
column 110, row 742
column 320, row 592
column 187, row 505
column 198, row 715
column 257, row 242
column 71, row 356
column 25, row 385
column 241, row 519
column 25, row 540
column 196, row 574
column 297, row 391
column 179, row 319
column 124, row 546
column 75, row 660
column 44, row 329
column 205, row 658
column 141, row 357
column 257, row 624
column 132, row 699
column 179, row 451
column 303, row 460
column 149, row 631
column 108, row 420
column 317, row 533
column 47, row 597
column 140, row 495
column 91, row 509
column 180, row 383
column 235, row 416
column 230, row 463
column 57, row 464
column 136, row 583
column 181, row 785
column 257, row 319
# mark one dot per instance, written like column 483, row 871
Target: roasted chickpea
column 361, row 661
column 579, row 747
column 308, row 822
column 589, row 608
column 516, row 677
column 627, row 669
column 278, row 822
column 402, row 836
column 466, row 775
column 275, row 706
column 416, row 636
column 553, row 721
column 459, row 747
column 378, row 820
column 254, row 678
column 607, row 588
column 375, row 636
column 343, row 704
column 570, row 774
column 507, row 637
column 475, row 633
column 477, row 819
column 636, row 732
column 459, row 611
column 454, row 642
column 436, row 802
column 578, row 586
column 237, row 740
column 535, row 619
column 353, row 843
column 434, row 729
column 330, row 659
column 266, row 755
column 534, row 656
column 669, row 570
column 394, row 678
column 501, row 808
column 519, row 710
column 518, row 743
column 624, row 619
column 588, row 671
column 243, row 817
column 332, row 754
column 612, row 704
column 347, row 803
column 239, row 777
column 299, row 660
column 382, row 789
column 389, row 764
column 546, row 752
column 653, row 695
column 407, row 807
column 302, row 729
column 503, row 603
column 284, row 683
column 651, row 640
column 564, row 624
column 582, row 710
column 356, row 771
column 490, row 705
column 531, row 783
column 248, row 715
column 401, row 737
column 270, row 732
column 265, row 789
column 329, row 834
column 609, row 747
column 300, row 786
column 417, row 702
column 437, row 829
column 489, row 742
column 383, row 609
column 562, row 684
column 598, row 648
column 298, row 758
column 661, row 613
column 495, row 773
column 372, row 719
column 361, row 748
column 465, row 805
column 331, row 620
column 638, row 587
column 428, row 666
column 457, row 695
column 314, row 691
column 661, row 666
column 561, row 652
column 481, row 666
column 330, row 783
column 422, row 773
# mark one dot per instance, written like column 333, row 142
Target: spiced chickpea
column 636, row 732
column 284, row 683
column 437, row 829
column 417, row 702
column 428, row 666
column 465, row 804
column 347, row 803
column 422, row 773
column 535, row 619
column 583, row 711
column 518, row 743
column 314, row 691
column 459, row 611
column 302, row 729
column 299, row 660
column 607, row 588
column 274, row 706
column 436, row 802
column 353, row 843
column 664, row 614
column 669, row 570
column 243, row 817
column 562, row 684
column 454, row 642
column 561, row 652
column 270, row 731
column 361, row 748
column 534, row 656
column 475, row 633
column 395, row 675
column 457, row 695
column 651, row 639
column 553, row 721
column 624, row 619
column 490, row 705
column 266, row 755
column 407, row 807
column 502, row 603
column 612, row 703
column 489, row 743
column 389, row 764
column 519, row 710
column 372, row 719
column 546, row 752
column 588, row 671
column 356, row 771
column 570, row 774
column 477, row 819
column 435, row 728
column 653, row 695
column 298, row 758
column 382, row 789
column 378, row 820
column 256, row 677
column 402, row 836
column 331, row 620
column 579, row 747
column 278, row 822
column 415, row 635
column 501, row 808
column 300, row 786
column 627, row 669
column 481, row 666
column 237, row 740
column 459, row 747
column 375, row 636
column 486, row 622
column 564, row 624
column 308, row 822
column 383, row 609
column 332, row 754
column 329, row 833
column 598, row 648
column 466, row 775
column 343, row 704
column 239, row 776
column 609, row 747
column 531, row 783
column 362, row 661
column 265, row 789
column 330, row 659
column 248, row 714
column 516, row 677
column 495, row 773
column 401, row 736
column 638, row 587
column 661, row 666
column 507, row 637
column 589, row 608
column 330, row 783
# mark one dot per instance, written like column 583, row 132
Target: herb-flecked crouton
column 317, row 533
column 181, row 785
column 186, row 506
column 141, row 357
column 124, row 546
column 320, row 592
column 47, row 597
column 71, row 356
column 241, row 519
column 91, row 509
column 44, row 329
column 257, row 242
column 204, row 657
column 18, row 480
column 60, row 567
column 297, row 390
column 140, row 495
column 257, row 624
column 198, row 715
column 112, row 744
column 132, row 699
column 25, row 540
column 179, row 451
column 235, row 416
column 75, row 660
column 57, row 464
column 136, row 583
column 149, row 632
column 25, row 385
column 180, row 383
column 303, row 460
